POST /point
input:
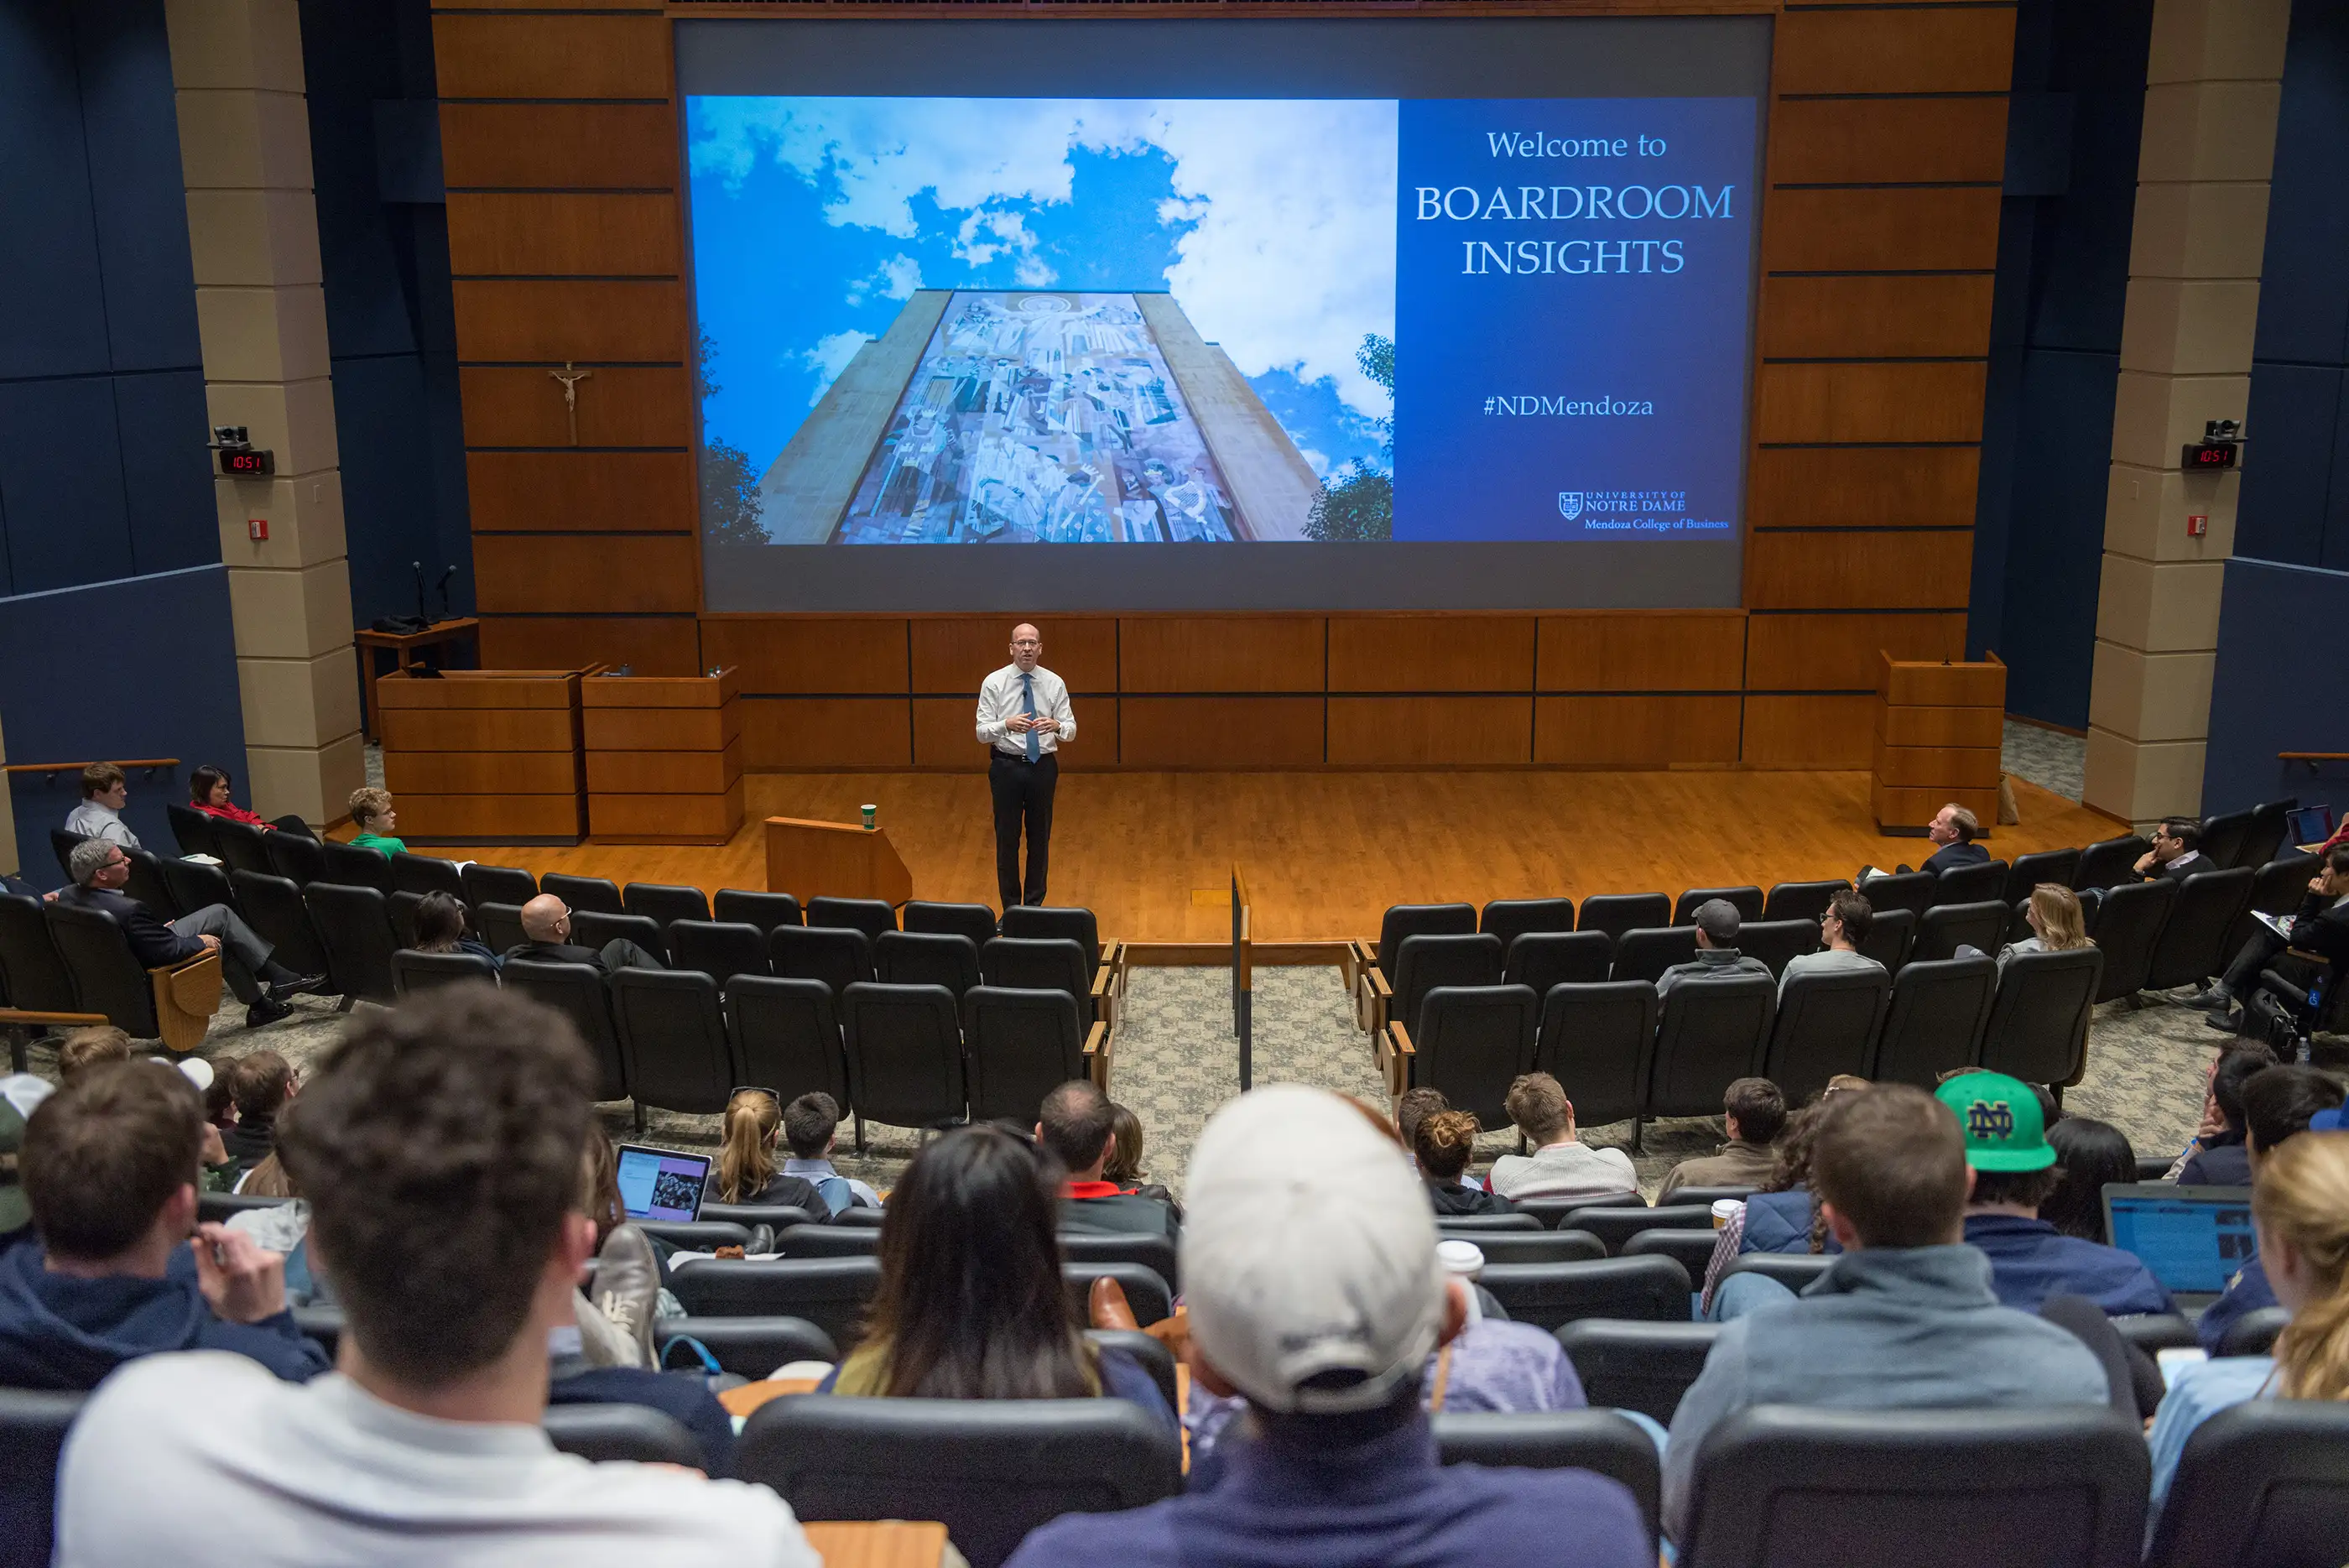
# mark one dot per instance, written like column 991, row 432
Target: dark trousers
column 2262, row 951
column 1023, row 792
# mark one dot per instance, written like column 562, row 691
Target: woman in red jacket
column 208, row 788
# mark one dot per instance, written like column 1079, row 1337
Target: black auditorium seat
column 673, row 1044
column 2192, row 947
column 1970, row 884
column 1403, row 920
column 904, row 1054
column 242, row 848
column 1646, row 953
column 2028, row 871
column 598, row 894
column 2129, row 924
column 1509, row 918
column 1946, row 927
column 412, row 971
column 1426, row 963
column 1643, row 1366
column 1614, row 1224
column 590, row 929
column 1749, row 902
column 830, row 1292
column 1548, row 1296
column 192, row 829
column 2269, row 823
column 662, row 902
column 195, row 886
column 1710, row 1033
column 1891, row 934
column 354, row 926
column 2109, row 862
column 1048, row 963
column 1601, row 1441
column 719, row 948
column 926, row 958
column 1935, row 1021
column 299, row 860
column 602, row 1434
column 787, row 1033
column 1826, row 1023
column 500, row 926
column 1021, row 1045
column 1598, row 1042
column 1615, row 913
column 497, row 884
column 355, row 867
column 2038, row 1025
column 1909, row 890
column 1778, row 942
column 414, row 873
column 33, row 1427
column 1544, row 959
column 871, row 916
column 764, row 911
column 975, row 921
column 2266, row 1482
column 1472, row 1043
column 1801, row 900
column 2223, row 837
column 836, row 955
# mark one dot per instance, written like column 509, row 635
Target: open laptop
column 2193, row 1239
column 661, row 1183
column 2309, row 824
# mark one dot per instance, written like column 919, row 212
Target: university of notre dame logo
column 1985, row 1121
column 1569, row 504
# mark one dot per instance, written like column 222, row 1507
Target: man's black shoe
column 266, row 1009
column 2225, row 1022
column 300, row 985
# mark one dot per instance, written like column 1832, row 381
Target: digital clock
column 247, row 462
column 2209, row 454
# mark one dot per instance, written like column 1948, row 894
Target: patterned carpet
column 2048, row 758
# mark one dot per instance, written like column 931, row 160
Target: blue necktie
column 1028, row 696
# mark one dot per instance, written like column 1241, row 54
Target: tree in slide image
column 1358, row 501
column 729, row 487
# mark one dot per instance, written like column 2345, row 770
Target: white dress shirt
column 92, row 820
column 1001, row 697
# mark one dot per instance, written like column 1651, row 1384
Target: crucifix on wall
column 571, row 380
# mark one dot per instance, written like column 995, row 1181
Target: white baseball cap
column 1309, row 1248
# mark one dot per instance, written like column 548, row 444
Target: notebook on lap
column 2193, row 1239
column 661, row 1183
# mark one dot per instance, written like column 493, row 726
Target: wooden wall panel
column 785, row 733
column 946, row 738
column 1222, row 653
column 1837, row 652
column 821, row 656
column 624, row 146
column 650, row 645
column 1938, row 401
column 563, row 234
column 1883, row 229
column 955, row 653
column 579, row 573
column 480, row 773
column 1809, row 732
column 571, row 492
column 551, row 56
column 1428, row 653
column 1893, row 49
column 1859, row 569
column 1424, row 732
column 1863, row 141
column 1864, row 487
column 1211, row 733
column 619, row 405
column 1642, row 650
column 1647, row 732
column 1884, row 316
column 590, row 321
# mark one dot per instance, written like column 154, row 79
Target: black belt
column 1021, row 757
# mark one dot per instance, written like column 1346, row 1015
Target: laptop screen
column 2310, row 825
column 2193, row 1239
column 660, row 1183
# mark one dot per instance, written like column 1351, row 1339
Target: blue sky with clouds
column 1273, row 224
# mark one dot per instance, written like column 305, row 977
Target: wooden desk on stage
column 484, row 756
column 1938, row 730
column 663, row 758
column 371, row 642
column 834, row 860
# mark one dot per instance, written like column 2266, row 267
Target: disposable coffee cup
column 1461, row 1259
column 868, row 811
column 1724, row 1209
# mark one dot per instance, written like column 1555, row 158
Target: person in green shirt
column 373, row 816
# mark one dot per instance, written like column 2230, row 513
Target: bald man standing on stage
column 1024, row 719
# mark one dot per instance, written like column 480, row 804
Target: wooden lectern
column 663, row 758
column 484, row 756
column 1938, row 728
column 834, row 860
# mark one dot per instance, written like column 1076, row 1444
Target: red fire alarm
column 2197, row 524
column 257, row 529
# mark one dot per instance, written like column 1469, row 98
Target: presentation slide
column 1324, row 327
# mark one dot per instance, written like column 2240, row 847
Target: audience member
column 109, row 1170
column 2279, row 1105
column 1561, row 1165
column 2300, row 1208
column 1444, row 1142
column 971, row 1303
column 374, row 816
column 95, row 1046
column 810, row 1128
column 746, row 1171
column 1414, row 1107
column 21, row 1095
column 440, row 1147
column 99, row 869
column 2056, row 921
column 1314, row 1291
column 208, row 792
column 2091, row 1155
column 1842, row 929
column 1754, row 1112
column 1905, row 1319
column 1716, row 949
column 1953, row 831
column 2177, row 851
column 1074, row 1124
column 2321, row 926
column 283, row 1229
column 2013, row 1174
column 443, row 926
column 262, row 1081
column 104, row 793
column 547, row 928
column 2219, row 1158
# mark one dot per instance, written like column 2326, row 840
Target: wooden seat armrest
column 31, row 1017
column 1105, row 983
column 1395, row 1054
column 187, row 995
column 1373, row 996
column 1097, row 1056
column 1109, row 952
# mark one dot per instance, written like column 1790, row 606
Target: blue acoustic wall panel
column 2276, row 688
column 144, row 667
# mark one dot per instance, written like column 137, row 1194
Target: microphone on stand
column 424, row 619
column 444, row 590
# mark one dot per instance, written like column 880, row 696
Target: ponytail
column 746, row 1159
column 2302, row 1197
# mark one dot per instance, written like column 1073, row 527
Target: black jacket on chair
column 152, row 941
column 559, row 952
column 1950, row 855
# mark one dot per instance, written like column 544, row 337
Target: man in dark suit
column 2321, row 927
column 2176, row 852
column 1953, row 830
column 547, row 921
column 99, row 868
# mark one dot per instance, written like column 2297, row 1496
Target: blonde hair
column 746, row 1150
column 83, row 1049
column 2301, row 1196
column 268, row 1180
column 599, row 1183
column 367, row 803
column 2061, row 925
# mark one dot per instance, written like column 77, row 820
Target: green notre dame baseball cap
column 2002, row 1120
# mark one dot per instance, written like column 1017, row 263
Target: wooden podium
column 834, row 860
column 1938, row 729
column 484, row 756
column 663, row 758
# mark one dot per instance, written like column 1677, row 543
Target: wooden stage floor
column 1325, row 854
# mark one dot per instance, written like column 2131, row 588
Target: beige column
column 261, row 313
column 2213, row 85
